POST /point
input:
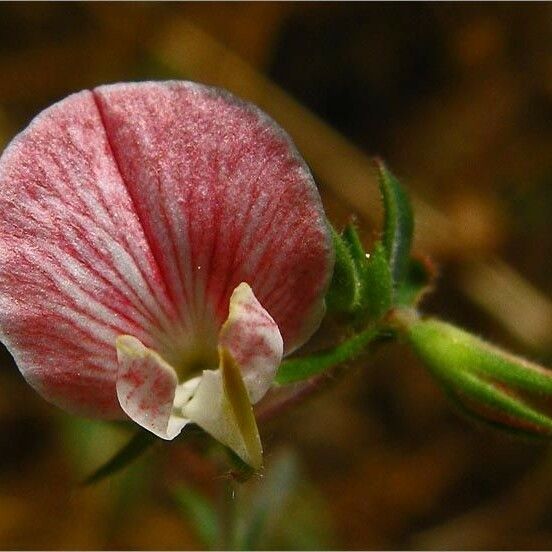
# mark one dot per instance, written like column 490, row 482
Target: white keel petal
column 221, row 407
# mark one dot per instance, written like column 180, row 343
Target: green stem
column 137, row 445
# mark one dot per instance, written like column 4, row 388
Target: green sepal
column 352, row 240
column 485, row 393
column 492, row 384
column 300, row 368
column 360, row 262
column 398, row 225
column 467, row 410
column 370, row 281
column 377, row 285
column 343, row 294
column 362, row 285
column 137, row 445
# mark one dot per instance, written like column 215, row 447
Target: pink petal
column 146, row 388
column 136, row 209
column 224, row 198
column 252, row 338
column 75, row 268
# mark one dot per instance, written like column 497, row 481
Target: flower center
column 192, row 361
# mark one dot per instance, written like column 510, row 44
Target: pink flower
column 162, row 245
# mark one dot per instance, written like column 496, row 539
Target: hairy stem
column 327, row 367
column 295, row 369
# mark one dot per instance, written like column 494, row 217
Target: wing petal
column 147, row 387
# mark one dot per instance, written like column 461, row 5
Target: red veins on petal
column 74, row 268
column 136, row 209
column 223, row 198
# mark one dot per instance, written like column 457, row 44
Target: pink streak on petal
column 254, row 341
column 146, row 387
column 224, row 198
column 75, row 268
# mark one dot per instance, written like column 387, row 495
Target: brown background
column 458, row 99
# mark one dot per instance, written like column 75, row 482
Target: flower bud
column 494, row 386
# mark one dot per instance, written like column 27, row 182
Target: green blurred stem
column 137, row 445
column 228, row 515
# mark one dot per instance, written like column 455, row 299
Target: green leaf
column 200, row 513
column 398, row 223
column 139, row 443
column 377, row 284
column 344, row 290
column 296, row 369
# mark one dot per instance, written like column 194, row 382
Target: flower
column 162, row 245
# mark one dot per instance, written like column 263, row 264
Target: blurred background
column 458, row 99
